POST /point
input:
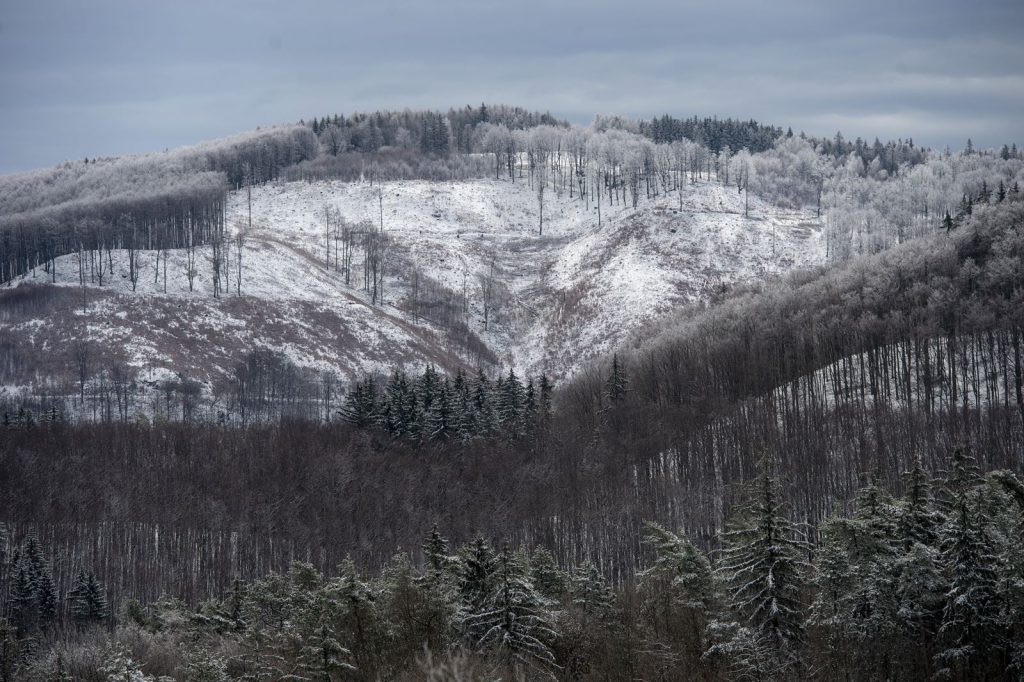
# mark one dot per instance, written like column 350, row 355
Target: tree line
column 152, row 202
column 434, row 407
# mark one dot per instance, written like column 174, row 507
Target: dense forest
column 810, row 477
column 870, row 198
column 863, row 371
column 911, row 587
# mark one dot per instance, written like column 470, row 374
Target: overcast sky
column 97, row 77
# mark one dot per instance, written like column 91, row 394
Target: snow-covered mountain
column 557, row 300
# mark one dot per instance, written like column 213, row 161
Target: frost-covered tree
column 419, row 610
column 514, row 620
column 918, row 519
column 546, row 575
column 476, row 570
column 119, row 666
column 87, row 602
column 679, row 588
column 204, row 666
column 590, row 593
column 973, row 634
column 764, row 568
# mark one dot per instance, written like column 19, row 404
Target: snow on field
column 565, row 297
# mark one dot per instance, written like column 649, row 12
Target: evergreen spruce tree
column 23, row 598
column 918, row 520
column 511, row 403
column 322, row 658
column 514, row 619
column 42, row 585
column 401, row 401
column 947, row 222
column 483, row 406
column 419, row 609
column 680, row 591
column 616, row 384
column 266, row 605
column 972, row 634
column 203, row 666
column 439, row 560
column 427, row 388
column 476, row 571
column 465, row 415
column 763, row 567
column 589, row 592
column 87, row 601
column 745, row 653
column 360, row 407
column 962, row 476
column 832, row 609
column 357, row 616
column 441, row 415
column 544, row 399
column 920, row 591
column 119, row 666
column 530, row 405
column 546, row 576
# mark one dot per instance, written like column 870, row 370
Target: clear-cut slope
column 558, row 300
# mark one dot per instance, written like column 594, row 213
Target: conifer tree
column 476, row 570
column 511, row 400
column 513, row 619
column 972, row 634
column 920, row 591
column 357, row 616
column 23, row 598
column 441, row 416
column 360, row 407
column 483, row 408
column 43, row 587
column 87, row 601
column 545, row 574
column 466, row 427
column 322, row 657
column 763, row 567
column 439, row 560
column 590, row 594
column 681, row 595
column 203, row 666
column 119, row 666
column 918, row 520
column 616, row 384
column 544, row 399
column 947, row 221
column 419, row 609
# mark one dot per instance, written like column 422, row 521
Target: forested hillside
column 839, row 373
column 681, row 410
column 308, row 255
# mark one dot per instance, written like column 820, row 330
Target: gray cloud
column 118, row 76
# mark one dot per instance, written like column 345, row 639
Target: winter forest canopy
column 815, row 475
column 874, row 195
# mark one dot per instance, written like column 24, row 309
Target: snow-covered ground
column 574, row 293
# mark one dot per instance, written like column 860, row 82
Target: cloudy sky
column 95, row 77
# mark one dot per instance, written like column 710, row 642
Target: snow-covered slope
column 560, row 299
